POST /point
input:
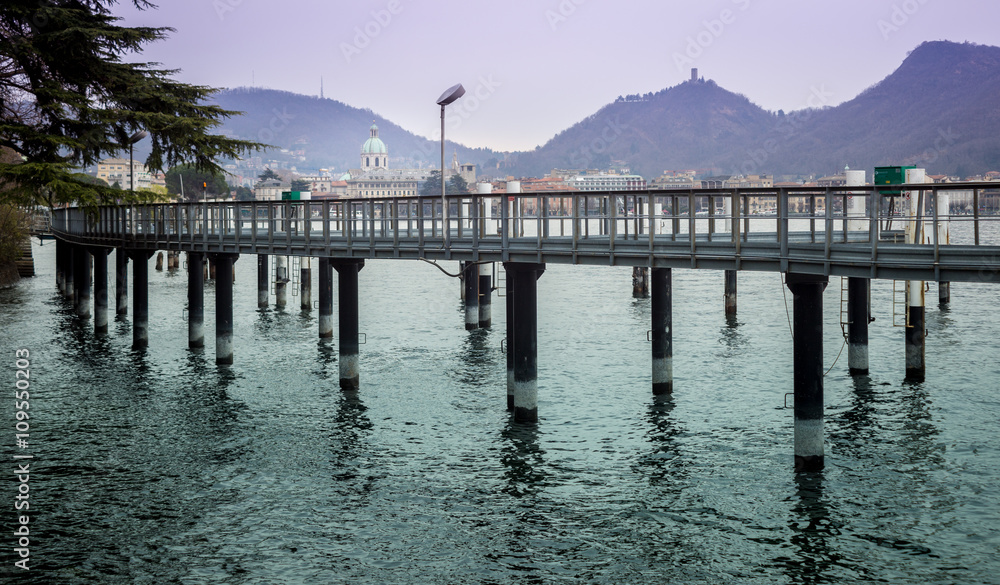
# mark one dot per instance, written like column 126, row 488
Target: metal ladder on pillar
column 274, row 273
column 845, row 318
column 899, row 314
column 295, row 266
column 500, row 284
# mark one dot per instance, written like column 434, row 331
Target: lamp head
column 451, row 94
column 137, row 136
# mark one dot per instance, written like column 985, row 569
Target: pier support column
column 100, row 290
column 640, row 282
column 60, row 277
column 525, row 278
column 325, row 282
column 83, row 287
column 69, row 272
column 730, row 293
column 305, row 285
column 915, row 330
column 857, row 330
column 121, row 282
column 140, row 298
column 485, row 295
column 471, row 272
column 263, row 281
column 280, row 281
column 196, row 299
column 510, row 338
column 223, row 306
column 662, row 325
column 347, row 281
column 807, row 360
column 944, row 293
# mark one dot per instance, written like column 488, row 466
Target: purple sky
column 535, row 67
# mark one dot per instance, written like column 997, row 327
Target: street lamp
column 131, row 166
column 451, row 94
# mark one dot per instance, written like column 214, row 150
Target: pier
column 658, row 230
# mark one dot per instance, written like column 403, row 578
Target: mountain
column 938, row 110
column 329, row 132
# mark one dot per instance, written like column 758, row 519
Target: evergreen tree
column 67, row 100
column 198, row 184
column 269, row 174
column 301, row 185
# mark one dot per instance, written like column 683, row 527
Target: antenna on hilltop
column 320, row 87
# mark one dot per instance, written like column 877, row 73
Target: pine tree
column 67, row 100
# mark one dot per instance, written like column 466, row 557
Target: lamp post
column 451, row 94
column 131, row 166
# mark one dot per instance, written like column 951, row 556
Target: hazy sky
column 532, row 68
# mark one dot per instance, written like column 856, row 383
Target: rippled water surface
column 160, row 467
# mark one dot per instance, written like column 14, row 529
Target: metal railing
column 692, row 222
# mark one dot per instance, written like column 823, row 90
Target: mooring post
column 347, row 280
column 525, row 277
column 60, row 282
column 140, row 298
column 280, row 281
column 196, row 300
column 944, row 292
column 82, row 280
column 325, row 278
column 730, row 293
column 857, row 329
column 640, row 282
column 662, row 334
column 121, row 282
column 485, row 295
column 223, row 306
column 159, row 261
column 100, row 289
column 510, row 337
column 916, row 334
column 807, row 363
column 263, row 284
column 305, row 285
column 471, row 272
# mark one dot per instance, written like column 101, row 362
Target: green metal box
column 891, row 176
column 296, row 195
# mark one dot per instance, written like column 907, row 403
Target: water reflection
column 813, row 534
column 476, row 357
column 522, row 459
column 664, row 462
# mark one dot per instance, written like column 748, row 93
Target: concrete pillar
column 730, row 293
column 485, row 295
column 525, row 278
column 60, row 281
column 100, row 290
column 223, row 306
column 305, row 285
column 83, row 277
column 807, row 360
column 263, row 281
column 159, row 261
column 121, row 282
column 640, row 282
column 196, row 299
column 944, row 293
column 510, row 338
column 69, row 274
column 348, row 308
column 662, row 326
column 916, row 333
column 280, row 281
column 140, row 298
column 325, row 282
column 857, row 329
column 471, row 280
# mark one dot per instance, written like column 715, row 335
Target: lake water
column 159, row 467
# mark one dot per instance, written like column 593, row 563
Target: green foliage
column 198, row 184
column 269, row 174
column 456, row 185
column 14, row 225
column 68, row 99
column 244, row 194
column 301, row 185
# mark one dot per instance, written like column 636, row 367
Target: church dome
column 374, row 145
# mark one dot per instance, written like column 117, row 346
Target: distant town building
column 116, row 170
column 607, row 182
column 270, row 190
